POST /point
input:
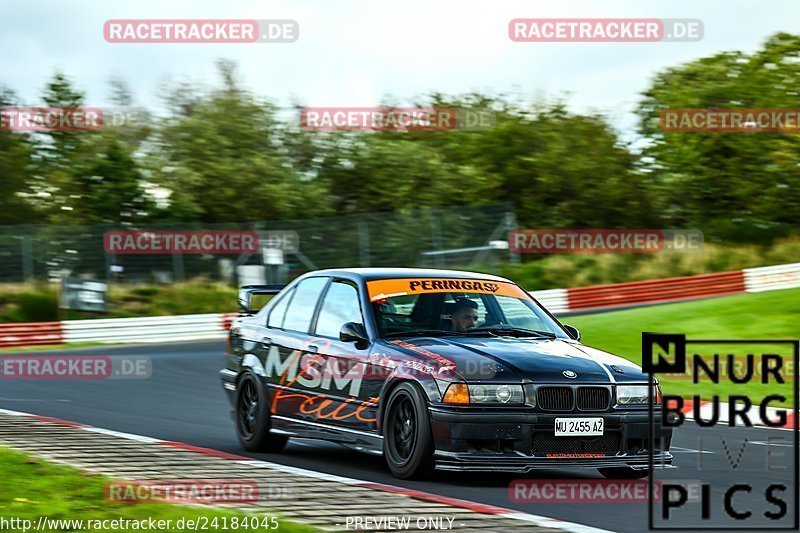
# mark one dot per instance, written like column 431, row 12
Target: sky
column 361, row 52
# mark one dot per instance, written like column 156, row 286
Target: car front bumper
column 503, row 441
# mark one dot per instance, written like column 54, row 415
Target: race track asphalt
column 183, row 401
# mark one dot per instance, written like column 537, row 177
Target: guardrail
column 554, row 300
column 31, row 334
column 558, row 301
column 772, row 277
column 145, row 329
column 661, row 290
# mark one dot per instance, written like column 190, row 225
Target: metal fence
column 458, row 236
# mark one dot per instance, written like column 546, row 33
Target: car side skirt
column 284, row 425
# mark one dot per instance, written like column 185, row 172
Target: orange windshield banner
column 389, row 288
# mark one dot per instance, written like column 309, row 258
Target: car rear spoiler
column 246, row 292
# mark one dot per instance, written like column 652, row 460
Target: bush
column 580, row 270
column 32, row 303
column 40, row 306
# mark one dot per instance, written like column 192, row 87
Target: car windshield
column 446, row 307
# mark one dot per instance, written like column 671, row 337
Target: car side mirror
column 573, row 332
column 353, row 332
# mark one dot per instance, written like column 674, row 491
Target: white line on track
column 129, row 436
column 680, row 449
column 33, row 400
column 770, row 444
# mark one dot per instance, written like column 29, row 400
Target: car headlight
column 502, row 394
column 485, row 394
column 636, row 394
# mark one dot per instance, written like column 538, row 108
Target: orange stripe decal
column 389, row 288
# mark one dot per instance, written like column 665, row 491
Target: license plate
column 578, row 427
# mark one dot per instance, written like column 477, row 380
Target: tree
column 88, row 177
column 222, row 157
column 387, row 172
column 16, row 159
column 734, row 185
column 558, row 168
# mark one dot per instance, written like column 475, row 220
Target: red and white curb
column 479, row 508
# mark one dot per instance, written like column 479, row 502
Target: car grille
column 555, row 398
column 593, row 398
column 544, row 442
column 562, row 398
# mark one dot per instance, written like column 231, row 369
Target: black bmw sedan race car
column 434, row 369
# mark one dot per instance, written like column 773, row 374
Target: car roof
column 369, row 274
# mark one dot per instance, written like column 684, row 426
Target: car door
column 349, row 382
column 288, row 348
column 250, row 345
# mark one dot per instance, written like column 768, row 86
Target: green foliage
column 579, row 270
column 16, row 176
column 86, row 177
column 558, row 168
column 739, row 186
column 220, row 155
column 385, row 173
column 224, row 154
column 768, row 315
column 198, row 296
column 40, row 305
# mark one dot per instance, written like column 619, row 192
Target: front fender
column 426, row 383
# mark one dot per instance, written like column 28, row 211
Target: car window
column 450, row 300
column 276, row 314
column 339, row 306
column 409, row 306
column 419, row 311
column 301, row 308
column 518, row 313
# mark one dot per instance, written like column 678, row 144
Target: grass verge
column 30, row 488
column 767, row 315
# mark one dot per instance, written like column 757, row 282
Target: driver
column 465, row 315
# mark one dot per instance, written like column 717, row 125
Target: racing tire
column 251, row 417
column 623, row 472
column 407, row 436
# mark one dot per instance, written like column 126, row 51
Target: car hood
column 521, row 359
